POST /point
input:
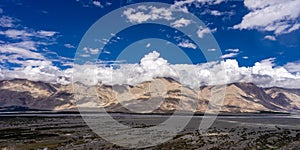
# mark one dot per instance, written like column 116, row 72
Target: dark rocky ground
column 71, row 132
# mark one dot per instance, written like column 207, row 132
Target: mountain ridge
column 239, row 97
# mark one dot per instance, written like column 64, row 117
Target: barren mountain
column 35, row 95
column 159, row 95
column 285, row 98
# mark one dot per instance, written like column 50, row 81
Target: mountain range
column 157, row 96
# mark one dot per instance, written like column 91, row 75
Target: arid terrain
column 20, row 94
column 69, row 131
column 39, row 115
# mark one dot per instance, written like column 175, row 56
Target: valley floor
column 69, row 131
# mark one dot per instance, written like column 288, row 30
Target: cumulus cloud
column 32, row 64
column 263, row 73
column 276, row 16
column 268, row 62
column 293, row 66
column 187, row 44
column 41, row 73
column 181, row 23
column 38, row 70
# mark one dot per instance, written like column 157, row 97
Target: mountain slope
column 288, row 98
column 243, row 97
column 158, row 95
column 35, row 95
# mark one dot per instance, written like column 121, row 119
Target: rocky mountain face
column 35, row 95
column 157, row 96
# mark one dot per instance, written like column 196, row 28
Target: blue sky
column 48, row 32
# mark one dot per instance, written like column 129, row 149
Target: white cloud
column 106, row 52
column 218, row 1
column 23, row 34
column 263, row 73
column 245, row 57
column 29, row 45
column 97, row 3
column 148, row 45
column 33, row 65
column 145, row 13
column 26, row 52
column 294, row 27
column 270, row 37
column 197, row 2
column 230, row 55
column 92, row 51
column 212, row 49
column 108, row 3
column 181, row 23
column 202, row 31
column 94, row 3
column 85, row 55
column 69, row 46
column 233, row 50
column 276, row 16
column 187, row 44
column 268, row 62
column 134, row 16
column 20, row 52
column 6, row 21
column 215, row 13
column 293, row 66
column 16, row 34
column 44, row 33
column 41, row 73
